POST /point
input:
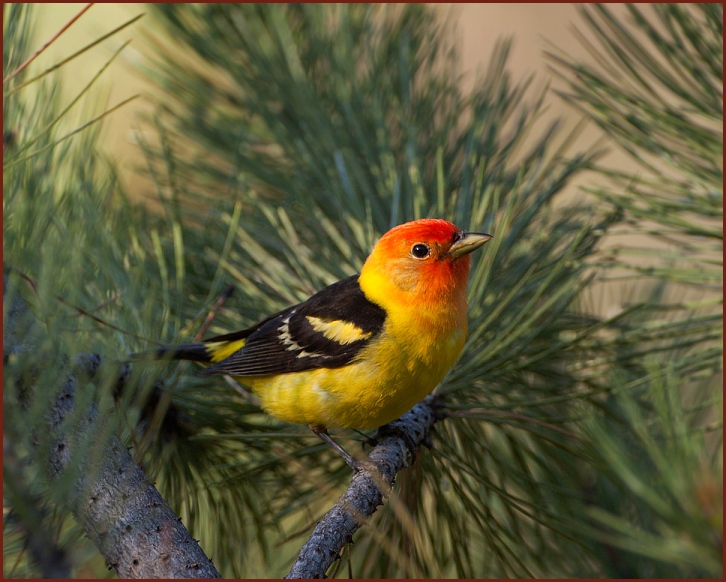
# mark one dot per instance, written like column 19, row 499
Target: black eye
column 420, row 251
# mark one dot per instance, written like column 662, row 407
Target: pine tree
column 574, row 445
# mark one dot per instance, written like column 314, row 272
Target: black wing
column 326, row 331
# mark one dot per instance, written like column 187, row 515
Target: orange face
column 429, row 257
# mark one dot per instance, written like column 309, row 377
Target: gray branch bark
column 119, row 508
column 398, row 444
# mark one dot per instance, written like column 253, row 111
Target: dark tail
column 192, row 352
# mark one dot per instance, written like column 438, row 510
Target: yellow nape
column 337, row 330
column 218, row 351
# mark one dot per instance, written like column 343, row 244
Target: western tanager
column 364, row 350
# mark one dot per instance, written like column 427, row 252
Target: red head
column 424, row 262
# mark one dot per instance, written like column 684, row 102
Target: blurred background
column 586, row 429
column 533, row 27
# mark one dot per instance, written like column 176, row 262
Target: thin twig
column 97, row 319
column 33, row 285
column 212, row 312
column 47, row 44
column 112, row 299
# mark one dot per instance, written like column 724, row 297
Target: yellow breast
column 387, row 378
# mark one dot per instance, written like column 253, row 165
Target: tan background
column 534, row 27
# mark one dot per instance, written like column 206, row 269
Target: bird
column 363, row 351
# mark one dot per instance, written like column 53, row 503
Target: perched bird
column 364, row 350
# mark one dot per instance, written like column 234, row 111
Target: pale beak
column 467, row 242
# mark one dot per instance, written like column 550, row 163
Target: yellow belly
column 382, row 383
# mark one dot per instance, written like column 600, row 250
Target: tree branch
column 119, row 508
column 398, row 444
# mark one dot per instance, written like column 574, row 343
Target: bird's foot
column 356, row 464
column 368, row 440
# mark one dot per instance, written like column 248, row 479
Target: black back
column 287, row 342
